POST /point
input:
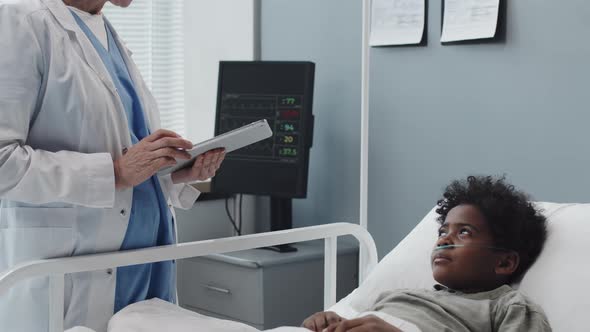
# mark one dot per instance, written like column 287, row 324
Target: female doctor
column 79, row 152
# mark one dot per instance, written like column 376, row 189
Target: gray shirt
column 502, row 309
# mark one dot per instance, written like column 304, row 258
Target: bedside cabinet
column 263, row 288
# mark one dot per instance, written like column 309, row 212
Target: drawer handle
column 217, row 289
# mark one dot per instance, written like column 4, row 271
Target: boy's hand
column 368, row 323
column 321, row 320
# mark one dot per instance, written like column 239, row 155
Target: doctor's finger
column 214, row 158
column 213, row 154
column 161, row 133
column 207, row 158
column 208, row 171
column 220, row 160
column 220, row 156
column 198, row 162
column 171, row 142
column 171, row 153
column 162, row 162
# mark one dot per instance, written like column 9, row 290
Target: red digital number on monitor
column 290, row 114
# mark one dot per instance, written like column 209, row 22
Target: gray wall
column 327, row 33
column 519, row 107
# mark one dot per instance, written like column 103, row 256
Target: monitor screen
column 281, row 93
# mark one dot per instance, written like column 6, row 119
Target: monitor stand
column 281, row 218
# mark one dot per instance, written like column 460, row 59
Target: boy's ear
column 508, row 263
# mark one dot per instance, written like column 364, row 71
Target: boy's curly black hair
column 514, row 221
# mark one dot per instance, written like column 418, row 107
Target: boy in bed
column 489, row 236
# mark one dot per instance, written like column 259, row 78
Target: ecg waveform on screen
column 263, row 148
column 283, row 113
column 255, row 106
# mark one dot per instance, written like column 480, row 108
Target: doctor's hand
column 370, row 323
column 149, row 155
column 205, row 167
column 321, row 320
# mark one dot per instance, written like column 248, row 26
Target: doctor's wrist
column 174, row 178
column 120, row 182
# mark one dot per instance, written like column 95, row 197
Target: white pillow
column 556, row 281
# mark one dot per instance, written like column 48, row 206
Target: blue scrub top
column 150, row 222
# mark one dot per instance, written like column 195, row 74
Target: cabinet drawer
column 221, row 288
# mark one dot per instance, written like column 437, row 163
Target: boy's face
column 470, row 268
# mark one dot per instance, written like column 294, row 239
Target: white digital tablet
column 230, row 141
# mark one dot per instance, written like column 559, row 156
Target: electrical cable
column 241, row 220
column 231, row 219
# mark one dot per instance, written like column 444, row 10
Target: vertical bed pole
column 364, row 180
column 257, row 35
column 56, row 303
column 330, row 257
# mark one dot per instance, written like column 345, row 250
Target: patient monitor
column 281, row 92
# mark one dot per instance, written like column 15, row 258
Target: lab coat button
column 123, row 212
column 109, row 271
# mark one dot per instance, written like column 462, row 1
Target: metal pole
column 257, row 47
column 364, row 185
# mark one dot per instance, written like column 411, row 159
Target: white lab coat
column 61, row 125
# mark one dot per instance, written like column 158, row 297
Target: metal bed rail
column 57, row 268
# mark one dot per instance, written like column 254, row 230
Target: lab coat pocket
column 28, row 234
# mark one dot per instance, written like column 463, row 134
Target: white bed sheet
column 156, row 315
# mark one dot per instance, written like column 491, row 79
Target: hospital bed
column 556, row 280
